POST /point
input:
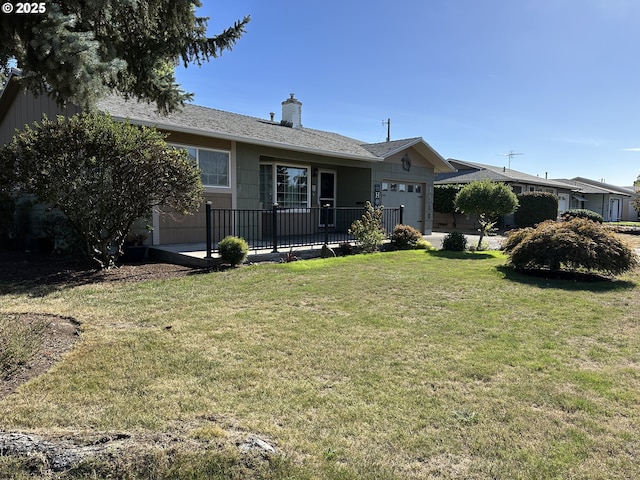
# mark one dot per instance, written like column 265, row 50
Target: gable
column 19, row 108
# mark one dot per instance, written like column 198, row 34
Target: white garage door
column 411, row 195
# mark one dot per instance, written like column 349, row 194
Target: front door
column 615, row 210
column 327, row 196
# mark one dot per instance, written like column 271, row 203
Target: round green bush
column 405, row 237
column 535, row 207
column 454, row 242
column 582, row 213
column 574, row 245
column 233, row 250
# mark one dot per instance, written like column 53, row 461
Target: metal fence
column 289, row 227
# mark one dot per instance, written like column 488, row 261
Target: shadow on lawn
column 459, row 255
column 575, row 281
column 39, row 275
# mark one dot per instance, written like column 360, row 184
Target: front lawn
column 395, row 365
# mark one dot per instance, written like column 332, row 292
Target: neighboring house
column 249, row 163
column 612, row 202
column 467, row 172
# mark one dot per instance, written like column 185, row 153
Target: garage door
column 411, row 195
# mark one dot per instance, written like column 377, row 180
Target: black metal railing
column 289, row 227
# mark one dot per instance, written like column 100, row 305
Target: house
column 467, row 172
column 248, row 163
column 612, row 202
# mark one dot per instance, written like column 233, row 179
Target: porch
column 272, row 233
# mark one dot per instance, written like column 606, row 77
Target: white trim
column 274, row 180
column 211, row 188
column 232, row 169
column 334, row 199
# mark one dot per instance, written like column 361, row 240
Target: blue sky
column 556, row 80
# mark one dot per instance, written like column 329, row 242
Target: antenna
column 388, row 124
column 511, row 154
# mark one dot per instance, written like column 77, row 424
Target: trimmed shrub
column 424, row 245
column 534, row 208
column 574, row 245
column 233, row 250
column 582, row 213
column 405, row 237
column 454, row 242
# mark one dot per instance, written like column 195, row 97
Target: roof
column 587, row 186
column 470, row 171
column 258, row 131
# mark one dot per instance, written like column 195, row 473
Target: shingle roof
column 258, row 131
column 470, row 171
column 233, row 126
column 585, row 185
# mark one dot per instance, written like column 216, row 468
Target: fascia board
column 249, row 140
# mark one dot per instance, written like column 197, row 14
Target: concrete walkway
column 193, row 254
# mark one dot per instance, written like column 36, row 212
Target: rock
column 327, row 251
column 255, row 443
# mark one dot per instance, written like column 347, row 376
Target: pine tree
column 79, row 50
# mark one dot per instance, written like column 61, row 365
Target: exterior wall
column 421, row 172
column 26, row 109
column 353, row 177
column 629, row 213
column 188, row 228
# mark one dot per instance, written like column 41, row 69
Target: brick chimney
column 292, row 112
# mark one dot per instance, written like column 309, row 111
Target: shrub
column 405, row 237
column 455, row 242
column 582, row 213
column 424, row 245
column 233, row 250
column 368, row 232
column 574, row 245
column 444, row 198
column 534, row 208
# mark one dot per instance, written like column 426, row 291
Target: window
column 213, row 165
column 288, row 186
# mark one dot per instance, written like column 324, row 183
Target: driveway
column 494, row 241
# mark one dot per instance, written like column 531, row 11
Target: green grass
column 395, row 365
column 20, row 339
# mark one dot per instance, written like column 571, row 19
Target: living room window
column 286, row 185
column 213, row 165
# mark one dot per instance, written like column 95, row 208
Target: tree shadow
column 565, row 280
column 41, row 275
column 459, row 255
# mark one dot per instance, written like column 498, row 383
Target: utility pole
column 388, row 124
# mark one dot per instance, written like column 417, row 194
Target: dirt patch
column 59, row 336
column 38, row 275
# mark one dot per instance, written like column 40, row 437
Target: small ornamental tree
column 368, row 232
column 535, row 207
column 488, row 200
column 102, row 174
